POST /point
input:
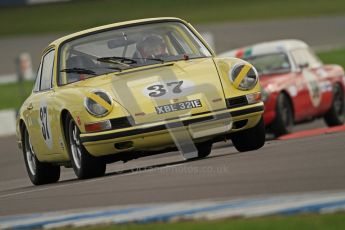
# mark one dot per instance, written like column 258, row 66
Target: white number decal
column 313, row 87
column 44, row 122
column 160, row 91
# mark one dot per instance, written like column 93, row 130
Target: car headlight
column 98, row 103
column 244, row 76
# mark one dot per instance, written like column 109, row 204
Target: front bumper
column 158, row 135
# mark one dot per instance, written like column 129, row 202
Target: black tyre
column 84, row 165
column 204, row 149
column 38, row 172
column 336, row 114
column 284, row 121
column 250, row 139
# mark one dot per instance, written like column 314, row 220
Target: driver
column 152, row 46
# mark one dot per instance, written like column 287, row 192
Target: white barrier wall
column 8, row 122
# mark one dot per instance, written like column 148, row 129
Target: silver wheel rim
column 30, row 155
column 75, row 145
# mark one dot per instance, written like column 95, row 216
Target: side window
column 47, row 70
column 38, row 78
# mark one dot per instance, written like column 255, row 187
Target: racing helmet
column 152, row 46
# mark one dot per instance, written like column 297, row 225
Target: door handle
column 30, row 106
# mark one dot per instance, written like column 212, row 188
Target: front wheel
column 38, row 172
column 336, row 114
column 250, row 139
column 84, row 165
column 284, row 121
column 204, row 149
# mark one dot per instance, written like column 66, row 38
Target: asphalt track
column 290, row 166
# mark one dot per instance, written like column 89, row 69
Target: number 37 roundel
column 44, row 121
column 169, row 89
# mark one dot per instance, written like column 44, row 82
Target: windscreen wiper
column 79, row 71
column 118, row 60
column 126, row 60
column 151, row 59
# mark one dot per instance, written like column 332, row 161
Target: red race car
column 296, row 85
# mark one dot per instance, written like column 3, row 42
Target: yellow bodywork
column 208, row 81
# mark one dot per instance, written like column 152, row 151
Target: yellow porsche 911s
column 132, row 89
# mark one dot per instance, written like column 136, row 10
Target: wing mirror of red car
column 303, row 65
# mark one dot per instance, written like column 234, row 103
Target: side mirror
column 303, row 65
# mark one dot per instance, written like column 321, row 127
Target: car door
column 40, row 128
column 309, row 92
column 323, row 83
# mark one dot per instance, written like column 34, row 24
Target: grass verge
column 12, row 95
column 81, row 14
column 305, row 222
column 333, row 57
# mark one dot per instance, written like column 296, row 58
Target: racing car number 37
column 98, row 109
column 159, row 90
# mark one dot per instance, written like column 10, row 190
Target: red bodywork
column 303, row 89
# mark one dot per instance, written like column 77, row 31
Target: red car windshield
column 270, row 63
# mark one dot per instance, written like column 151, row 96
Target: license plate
column 178, row 106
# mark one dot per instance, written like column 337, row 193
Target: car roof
column 57, row 42
column 267, row 47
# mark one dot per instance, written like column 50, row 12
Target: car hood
column 275, row 80
column 142, row 90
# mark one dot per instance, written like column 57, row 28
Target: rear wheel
column 284, row 121
column 250, row 139
column 336, row 114
column 38, row 172
column 84, row 165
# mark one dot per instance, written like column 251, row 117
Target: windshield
column 124, row 48
column 270, row 63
